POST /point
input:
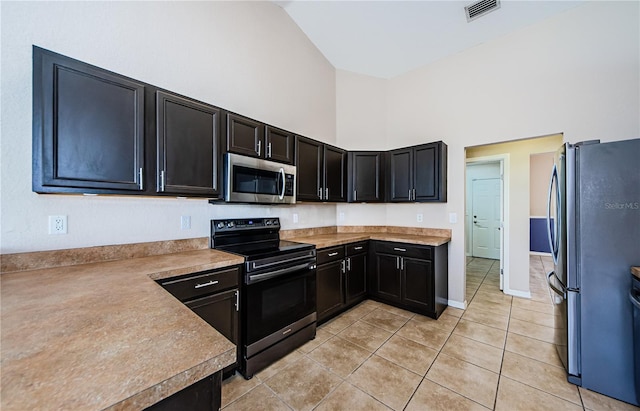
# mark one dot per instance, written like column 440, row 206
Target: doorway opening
column 519, row 180
column 485, row 211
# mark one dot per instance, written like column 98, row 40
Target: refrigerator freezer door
column 607, row 234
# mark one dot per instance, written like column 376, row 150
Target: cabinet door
column 356, row 283
column 335, row 174
column 400, row 175
column 220, row 311
column 366, row 176
column 203, row 395
column 244, row 136
column 329, row 289
column 187, row 141
column 279, row 145
column 88, row 127
column 387, row 277
column 308, row 169
column 426, row 172
column 417, row 283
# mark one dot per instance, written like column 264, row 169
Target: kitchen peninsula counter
column 105, row 335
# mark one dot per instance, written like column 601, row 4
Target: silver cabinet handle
column 269, row 150
column 349, row 264
column 401, row 263
column 206, row 284
column 397, row 263
column 162, row 178
column 320, row 193
column 140, row 180
column 409, row 194
column 326, row 193
column 343, row 267
column 358, row 248
column 333, row 254
column 399, row 249
column 237, row 300
column 259, row 147
column 355, row 195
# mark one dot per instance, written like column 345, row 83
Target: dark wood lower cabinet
column 204, row 395
column 356, row 278
column 341, row 278
column 329, row 288
column 412, row 277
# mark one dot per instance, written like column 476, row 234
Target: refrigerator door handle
column 553, row 237
column 634, row 296
column 563, row 292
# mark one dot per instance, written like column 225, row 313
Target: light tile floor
column 496, row 354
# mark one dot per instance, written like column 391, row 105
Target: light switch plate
column 453, row 218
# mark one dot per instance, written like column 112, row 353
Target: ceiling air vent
column 480, row 8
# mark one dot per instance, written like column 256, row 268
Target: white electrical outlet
column 57, row 224
column 295, row 217
column 185, row 222
column 453, row 218
column 341, row 217
column 419, row 217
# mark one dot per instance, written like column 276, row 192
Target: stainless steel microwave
column 254, row 180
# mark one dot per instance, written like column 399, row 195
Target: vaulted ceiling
column 388, row 38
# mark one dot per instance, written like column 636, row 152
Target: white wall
column 248, row 57
column 576, row 74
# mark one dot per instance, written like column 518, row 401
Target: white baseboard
column 457, row 304
column 539, row 253
column 516, row 293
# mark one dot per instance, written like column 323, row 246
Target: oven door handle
column 255, row 267
column 251, row 279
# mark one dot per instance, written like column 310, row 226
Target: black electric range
column 278, row 291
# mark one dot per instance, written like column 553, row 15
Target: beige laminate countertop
column 335, row 239
column 105, row 335
column 636, row 272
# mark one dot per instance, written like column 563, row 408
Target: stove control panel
column 244, row 224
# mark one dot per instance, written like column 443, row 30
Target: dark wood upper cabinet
column 252, row 138
column 400, row 174
column 418, row 173
column 366, row 176
column 187, row 145
column 309, row 154
column 335, row 174
column 279, row 145
column 88, row 127
column 321, row 171
column 244, row 136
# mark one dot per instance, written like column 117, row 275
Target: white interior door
column 502, row 225
column 486, row 218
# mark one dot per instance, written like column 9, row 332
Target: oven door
column 253, row 180
column 278, row 307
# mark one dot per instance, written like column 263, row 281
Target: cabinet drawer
column 199, row 284
column 326, row 255
column 404, row 249
column 357, row 248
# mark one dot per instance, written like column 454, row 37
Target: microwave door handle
column 282, row 189
column 550, row 235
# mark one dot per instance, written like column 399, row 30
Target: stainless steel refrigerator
column 593, row 224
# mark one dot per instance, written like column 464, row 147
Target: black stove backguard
column 278, row 294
